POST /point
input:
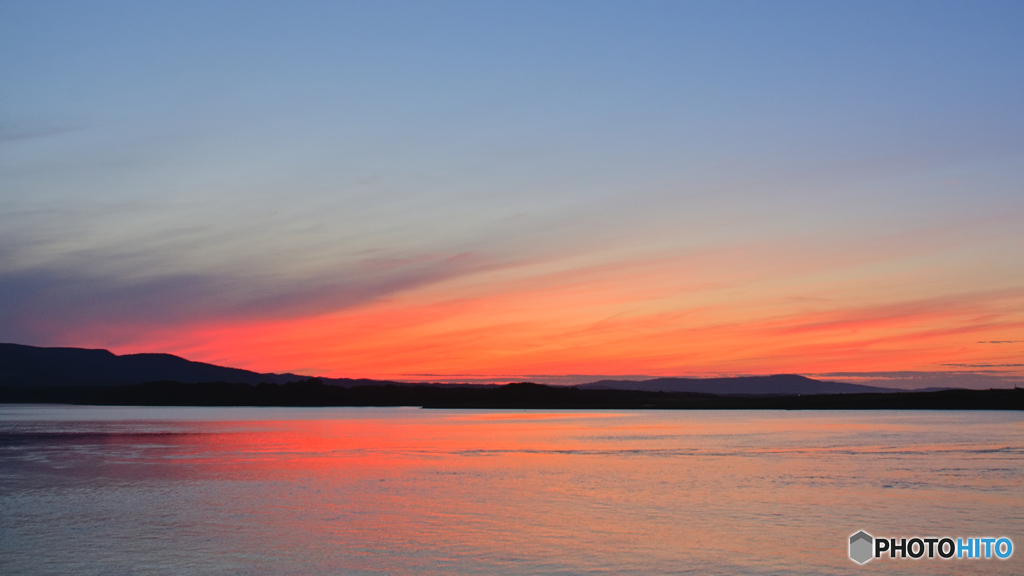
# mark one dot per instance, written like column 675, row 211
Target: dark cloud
column 984, row 365
column 1000, row 341
column 978, row 379
column 39, row 304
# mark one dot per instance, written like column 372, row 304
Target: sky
column 466, row 190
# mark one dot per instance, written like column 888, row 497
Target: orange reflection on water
column 419, row 491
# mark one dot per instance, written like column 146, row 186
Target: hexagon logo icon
column 860, row 547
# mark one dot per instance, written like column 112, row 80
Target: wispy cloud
column 983, row 365
column 45, row 302
column 927, row 379
column 15, row 132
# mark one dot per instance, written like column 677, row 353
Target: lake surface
column 98, row 490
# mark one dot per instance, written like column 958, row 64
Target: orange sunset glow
column 723, row 312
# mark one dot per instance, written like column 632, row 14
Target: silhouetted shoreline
column 520, row 395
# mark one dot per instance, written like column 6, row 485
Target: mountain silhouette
column 790, row 384
column 31, row 366
column 30, row 374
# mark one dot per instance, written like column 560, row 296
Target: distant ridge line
column 33, row 366
column 23, row 366
column 775, row 384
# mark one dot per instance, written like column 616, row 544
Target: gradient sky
column 522, row 188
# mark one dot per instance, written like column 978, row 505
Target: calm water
column 94, row 490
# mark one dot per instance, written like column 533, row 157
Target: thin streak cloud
column 17, row 132
column 43, row 302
